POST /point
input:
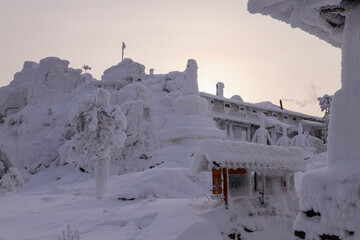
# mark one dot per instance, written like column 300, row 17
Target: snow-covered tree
column 324, row 103
column 99, row 127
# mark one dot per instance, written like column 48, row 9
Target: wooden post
column 263, row 192
column 225, row 186
column 216, row 178
column 255, row 181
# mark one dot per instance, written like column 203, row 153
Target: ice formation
column 34, row 112
column 261, row 135
column 99, row 127
column 256, row 181
column 300, row 139
column 34, row 126
column 329, row 202
column 166, row 118
column 283, row 140
column 250, row 155
column 189, row 125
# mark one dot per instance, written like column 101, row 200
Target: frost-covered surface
column 261, row 135
column 35, row 130
column 159, row 210
column 283, row 140
column 35, row 123
column 307, row 15
column 188, row 126
column 249, row 155
column 330, row 196
column 335, row 198
column 152, row 193
column 99, row 127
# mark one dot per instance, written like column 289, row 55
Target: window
column 294, row 118
column 318, row 133
column 286, row 117
column 273, row 184
column 275, row 115
column 239, row 182
column 227, row 105
column 254, row 111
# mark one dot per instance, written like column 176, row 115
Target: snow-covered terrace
column 254, row 157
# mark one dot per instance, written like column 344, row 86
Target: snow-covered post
column 330, row 194
column 283, row 140
column 220, row 89
column 261, row 135
column 344, row 131
column 99, row 127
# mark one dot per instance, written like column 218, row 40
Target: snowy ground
column 168, row 206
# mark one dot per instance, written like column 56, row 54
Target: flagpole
column 122, row 53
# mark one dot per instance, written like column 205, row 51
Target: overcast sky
column 256, row 57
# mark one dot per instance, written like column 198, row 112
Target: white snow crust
column 301, row 14
column 249, row 155
column 152, row 192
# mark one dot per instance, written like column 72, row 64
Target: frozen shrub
column 12, row 181
column 69, row 234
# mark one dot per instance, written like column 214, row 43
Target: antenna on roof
column 281, row 106
column 122, row 54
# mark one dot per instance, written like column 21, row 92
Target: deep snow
column 169, row 204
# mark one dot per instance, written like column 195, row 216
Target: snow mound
column 331, row 205
column 237, row 98
column 162, row 183
column 126, row 71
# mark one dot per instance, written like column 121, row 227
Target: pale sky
column 257, row 57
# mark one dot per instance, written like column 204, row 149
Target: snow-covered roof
column 322, row 18
column 252, row 156
column 264, row 106
column 312, row 124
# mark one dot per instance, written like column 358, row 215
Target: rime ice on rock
column 329, row 202
column 127, row 71
column 189, row 125
column 35, row 106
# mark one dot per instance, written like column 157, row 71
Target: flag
column 123, row 46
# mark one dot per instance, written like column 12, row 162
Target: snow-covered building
column 234, row 116
column 249, row 171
